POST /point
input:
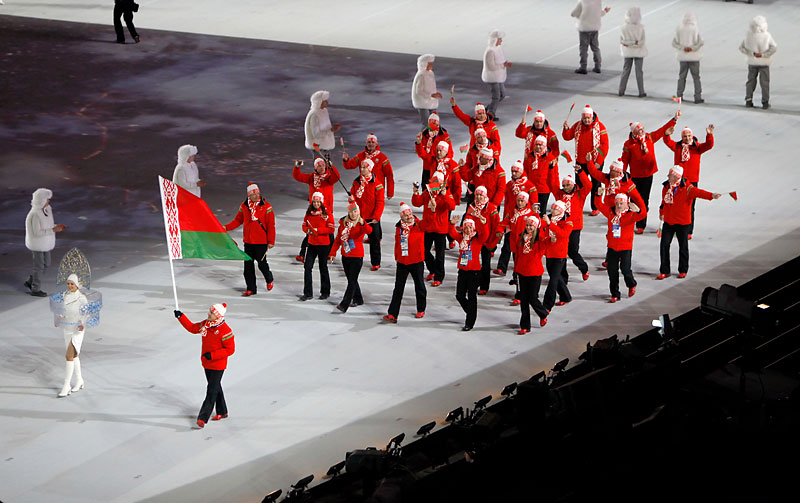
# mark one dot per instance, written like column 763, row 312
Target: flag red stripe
column 195, row 215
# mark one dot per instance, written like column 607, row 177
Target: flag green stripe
column 210, row 245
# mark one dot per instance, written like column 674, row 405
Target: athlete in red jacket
column 470, row 238
column 540, row 127
column 442, row 162
column 510, row 227
column 437, row 203
column 426, row 143
column 368, row 193
column 590, row 137
column 480, row 120
column 539, row 167
column 409, row 252
column 622, row 218
column 322, row 179
column 383, row 168
column 258, row 219
column 573, row 195
column 530, row 246
column 488, row 173
column 518, row 183
column 487, row 218
column 677, row 197
column 349, row 238
column 318, row 227
column 559, row 227
column 218, row 345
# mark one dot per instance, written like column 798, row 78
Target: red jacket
column 371, row 199
column 626, row 186
column 382, row 168
column 492, row 225
column 323, row 227
column 218, row 341
column 493, row 178
column 321, row 184
column 627, row 222
column 530, row 263
column 513, row 188
column 472, row 154
column 469, row 259
column 540, row 173
column 452, row 176
column 575, row 200
column 558, row 241
column 679, row 212
column 439, row 221
column 691, row 168
column 529, row 134
column 354, row 247
column 426, row 150
column 514, row 223
column 261, row 232
column 416, row 244
column 586, row 142
column 643, row 164
column 489, row 126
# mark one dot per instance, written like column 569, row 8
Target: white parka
column 588, row 13
column 494, row 69
column 39, row 234
column 424, row 85
column 318, row 124
column 631, row 36
column 688, row 35
column 759, row 40
column 186, row 174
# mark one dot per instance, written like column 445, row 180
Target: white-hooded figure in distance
column 759, row 47
column 318, row 125
column 633, row 49
column 494, row 69
column 424, row 95
column 689, row 50
column 186, row 174
column 589, row 14
column 40, row 237
column 69, row 308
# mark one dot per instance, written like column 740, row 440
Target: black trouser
column 619, row 260
column 435, row 264
column 575, row 255
column 555, row 282
column 643, row 185
column 417, row 271
column 214, row 395
column 667, row 232
column 352, row 268
column 467, row 295
column 595, row 184
column 529, row 297
column 320, row 253
column 127, row 15
column 259, row 254
column 303, row 246
column 375, row 243
column 691, row 225
column 543, row 197
column 505, row 253
column 426, row 177
column 486, row 268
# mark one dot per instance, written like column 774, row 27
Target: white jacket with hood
column 186, row 174
column 688, row 35
column 318, row 124
column 588, row 13
column 494, row 68
column 39, row 234
column 424, row 85
column 631, row 36
column 759, row 40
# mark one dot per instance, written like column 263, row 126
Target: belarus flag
column 192, row 230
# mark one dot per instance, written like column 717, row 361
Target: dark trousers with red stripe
column 643, row 185
column 669, row 231
column 352, row 294
column 555, row 282
column 467, row 295
column 486, row 268
column 214, row 395
column 595, row 183
column 416, row 270
column 435, row 263
column 529, row 297
column 259, row 254
column 619, row 260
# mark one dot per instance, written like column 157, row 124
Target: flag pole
column 525, row 115
column 174, row 288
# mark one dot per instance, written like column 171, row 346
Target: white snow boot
column 78, row 377
column 67, row 378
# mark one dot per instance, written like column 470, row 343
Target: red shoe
column 483, row 292
column 201, row 423
column 631, row 291
column 585, row 275
column 218, row 417
column 366, row 239
column 270, row 285
column 663, row 276
column 604, row 264
column 248, row 293
column 681, row 275
column 389, row 318
column 374, row 268
column 516, row 302
column 594, row 213
column 523, row 331
column 542, row 322
column 499, row 272
column 562, row 303
column 420, row 314
column 452, row 244
column 613, row 299
column 299, row 258
column 689, row 237
column 638, row 231
column 429, row 277
column 436, row 283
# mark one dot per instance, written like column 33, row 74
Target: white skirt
column 74, row 336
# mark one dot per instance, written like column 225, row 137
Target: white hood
column 185, row 152
column 422, row 61
column 40, row 198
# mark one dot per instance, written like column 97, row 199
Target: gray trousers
column 498, row 90
column 626, row 72
column 588, row 39
column 424, row 113
column 41, row 261
column 685, row 68
column 762, row 73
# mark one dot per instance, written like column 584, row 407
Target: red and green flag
column 192, row 229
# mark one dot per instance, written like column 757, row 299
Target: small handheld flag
column 527, row 109
column 452, row 90
column 733, row 195
column 463, row 148
column 570, row 112
column 566, row 156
